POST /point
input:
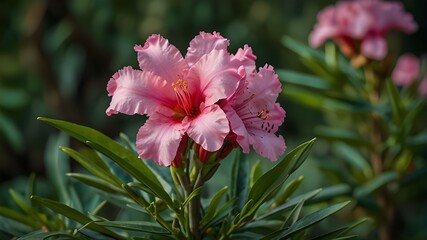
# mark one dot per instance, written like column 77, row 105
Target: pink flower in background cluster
column 422, row 89
column 184, row 97
column 406, row 71
column 360, row 26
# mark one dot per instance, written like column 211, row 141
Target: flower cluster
column 407, row 72
column 359, row 27
column 215, row 99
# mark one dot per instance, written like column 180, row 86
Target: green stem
column 194, row 205
column 387, row 228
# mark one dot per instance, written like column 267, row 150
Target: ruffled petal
column 137, row 92
column 247, row 58
column 203, row 44
column 238, row 127
column 263, row 138
column 261, row 91
column 158, row 139
column 268, row 145
column 374, row 47
column 209, row 128
column 161, row 58
column 215, row 76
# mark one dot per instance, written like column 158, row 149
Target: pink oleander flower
column 422, row 89
column 253, row 112
column 406, row 71
column 360, row 26
column 179, row 95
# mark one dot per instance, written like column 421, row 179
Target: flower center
column 185, row 104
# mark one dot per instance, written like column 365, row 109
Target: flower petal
column 407, row 70
column 263, row 140
column 247, row 58
column 238, row 127
column 134, row 91
column 261, row 91
column 161, row 58
column 215, row 76
column 158, row 139
column 268, row 145
column 203, row 44
column 209, row 128
column 374, row 47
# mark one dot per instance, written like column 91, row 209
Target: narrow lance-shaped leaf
column 376, row 183
column 86, row 134
column 93, row 164
column 275, row 177
column 396, row 101
column 75, row 215
column 307, row 221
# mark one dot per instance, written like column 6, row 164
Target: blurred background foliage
column 57, row 56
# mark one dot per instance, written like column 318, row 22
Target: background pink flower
column 361, row 26
column 422, row 89
column 179, row 95
column 406, row 71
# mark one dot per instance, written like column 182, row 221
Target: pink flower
column 406, row 71
column 422, row 89
column 361, row 26
column 254, row 114
column 179, row 95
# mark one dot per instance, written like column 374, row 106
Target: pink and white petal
column 209, row 128
column 374, row 47
column 247, row 58
column 158, row 139
column 268, row 145
column 161, row 58
column 262, row 89
column 215, row 77
column 137, row 92
column 238, row 127
column 203, row 44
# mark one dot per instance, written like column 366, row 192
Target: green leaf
column 331, row 193
column 11, row 133
column 76, row 216
column 396, row 101
column 20, row 201
column 303, row 79
column 256, row 172
column 138, row 226
column 290, row 188
column 97, row 183
column 93, row 163
column 19, row 217
column 279, row 211
column 13, row 98
column 157, row 191
column 48, row 235
column 354, row 158
column 376, row 183
column 118, row 153
column 276, row 176
column 341, row 135
column 212, row 210
column 240, row 178
column 57, row 165
column 307, row 221
column 303, row 50
column 192, row 195
column 293, row 215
